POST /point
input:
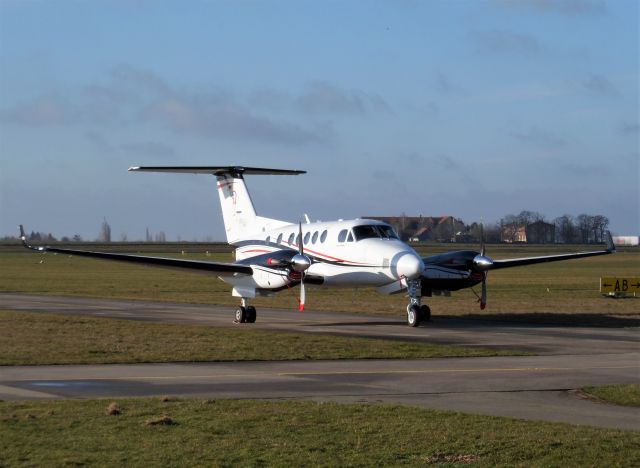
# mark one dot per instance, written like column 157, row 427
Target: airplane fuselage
column 347, row 253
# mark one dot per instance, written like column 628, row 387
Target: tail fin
column 240, row 219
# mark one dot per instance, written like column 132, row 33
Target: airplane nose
column 410, row 266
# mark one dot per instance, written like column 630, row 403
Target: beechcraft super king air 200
column 274, row 255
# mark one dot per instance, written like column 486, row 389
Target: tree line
column 567, row 229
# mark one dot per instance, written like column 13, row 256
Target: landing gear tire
column 413, row 316
column 251, row 314
column 425, row 313
column 241, row 315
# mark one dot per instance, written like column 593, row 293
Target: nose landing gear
column 416, row 311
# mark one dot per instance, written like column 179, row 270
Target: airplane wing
column 194, row 265
column 514, row 262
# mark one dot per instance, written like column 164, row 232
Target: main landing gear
column 245, row 314
column 416, row 311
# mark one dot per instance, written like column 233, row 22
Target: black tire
column 241, row 315
column 251, row 314
column 413, row 316
column 425, row 313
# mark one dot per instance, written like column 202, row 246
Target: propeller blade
column 482, row 248
column 301, row 263
column 302, row 295
column 300, row 244
column 483, row 296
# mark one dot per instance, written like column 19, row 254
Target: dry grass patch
column 160, row 421
column 444, row 458
column 113, row 409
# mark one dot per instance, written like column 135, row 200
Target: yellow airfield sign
column 619, row 285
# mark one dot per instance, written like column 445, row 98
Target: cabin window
column 298, row 240
column 342, row 236
column 306, row 237
column 290, row 240
column 314, row 239
column 279, row 241
column 350, row 237
column 268, row 239
column 323, row 236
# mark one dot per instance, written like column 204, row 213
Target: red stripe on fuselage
column 311, row 251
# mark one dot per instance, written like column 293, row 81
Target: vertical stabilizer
column 238, row 212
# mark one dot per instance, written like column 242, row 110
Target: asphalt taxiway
column 533, row 387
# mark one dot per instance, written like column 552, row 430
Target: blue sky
column 476, row 109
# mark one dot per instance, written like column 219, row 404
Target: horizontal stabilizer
column 235, row 171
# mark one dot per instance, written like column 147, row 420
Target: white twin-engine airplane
column 273, row 255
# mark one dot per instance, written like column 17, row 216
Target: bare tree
column 585, row 225
column 565, row 229
column 600, row 225
column 105, row 231
column 510, row 225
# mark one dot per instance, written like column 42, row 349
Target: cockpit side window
column 342, row 236
column 350, row 237
column 388, row 232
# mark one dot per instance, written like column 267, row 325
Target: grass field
column 540, row 292
column 254, row 433
column 624, row 395
column 38, row 338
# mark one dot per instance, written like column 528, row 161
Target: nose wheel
column 417, row 314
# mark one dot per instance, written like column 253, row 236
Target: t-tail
column 238, row 212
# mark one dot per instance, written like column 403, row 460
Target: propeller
column 300, row 263
column 482, row 264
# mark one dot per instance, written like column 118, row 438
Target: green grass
column 256, row 433
column 536, row 292
column 28, row 338
column 625, row 395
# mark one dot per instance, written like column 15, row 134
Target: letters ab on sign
column 619, row 286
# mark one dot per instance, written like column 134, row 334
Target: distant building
column 424, row 228
column 538, row 232
column 626, row 240
column 512, row 235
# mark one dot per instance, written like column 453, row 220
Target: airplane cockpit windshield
column 370, row 231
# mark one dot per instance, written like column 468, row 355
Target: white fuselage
column 343, row 253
